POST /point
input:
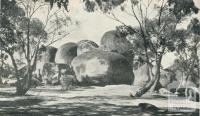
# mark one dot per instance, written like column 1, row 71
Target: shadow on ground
column 32, row 106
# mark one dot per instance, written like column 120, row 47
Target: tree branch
column 160, row 12
column 15, row 66
column 136, row 17
column 37, row 9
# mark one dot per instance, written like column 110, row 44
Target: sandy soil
column 103, row 101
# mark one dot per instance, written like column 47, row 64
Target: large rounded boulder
column 66, row 53
column 85, row 46
column 102, row 68
column 112, row 41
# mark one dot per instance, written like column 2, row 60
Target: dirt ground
column 88, row 101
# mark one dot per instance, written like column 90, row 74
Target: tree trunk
column 148, row 85
column 1, row 71
column 198, row 71
column 24, row 85
column 1, row 82
column 20, row 90
column 157, row 75
column 197, row 59
column 154, row 79
column 21, row 87
column 1, row 68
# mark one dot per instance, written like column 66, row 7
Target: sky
column 92, row 26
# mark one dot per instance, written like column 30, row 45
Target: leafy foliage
column 59, row 3
column 103, row 5
column 125, row 30
column 14, row 26
column 10, row 10
column 187, row 50
column 7, row 39
column 91, row 5
column 182, row 8
column 36, row 28
column 21, row 35
column 180, row 36
column 194, row 26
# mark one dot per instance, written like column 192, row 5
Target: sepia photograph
column 99, row 57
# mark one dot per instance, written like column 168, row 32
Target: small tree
column 194, row 28
column 17, row 35
column 22, row 35
column 187, row 49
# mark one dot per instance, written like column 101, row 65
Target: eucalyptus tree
column 22, row 35
column 188, row 50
